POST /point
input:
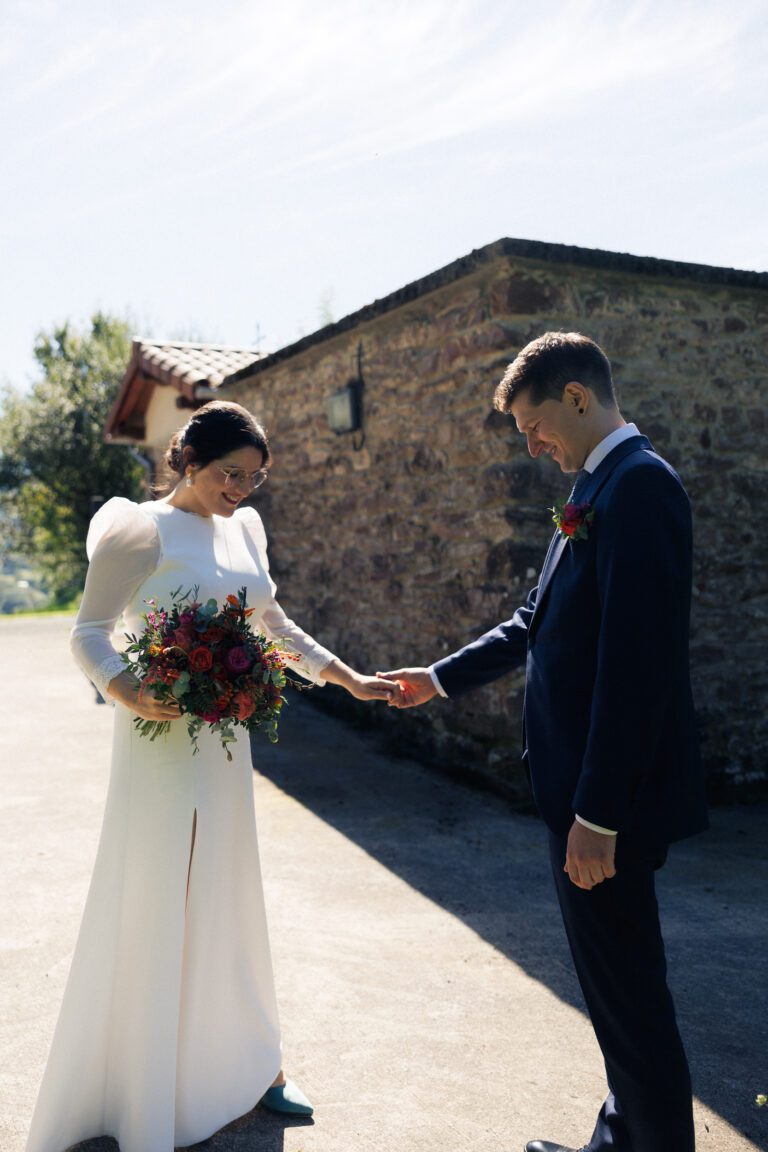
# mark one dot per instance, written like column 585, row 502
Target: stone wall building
column 399, row 542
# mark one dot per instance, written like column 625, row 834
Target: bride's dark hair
column 215, row 429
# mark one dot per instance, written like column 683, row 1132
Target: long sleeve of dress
column 313, row 657
column 123, row 549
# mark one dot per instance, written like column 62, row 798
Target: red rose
column 213, row 635
column 574, row 513
column 573, row 520
column 200, row 660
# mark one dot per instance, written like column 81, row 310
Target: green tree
column 53, row 458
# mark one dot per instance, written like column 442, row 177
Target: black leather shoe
column 546, row 1146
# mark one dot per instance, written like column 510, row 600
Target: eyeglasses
column 242, row 480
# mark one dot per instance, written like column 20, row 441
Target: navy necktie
column 582, row 476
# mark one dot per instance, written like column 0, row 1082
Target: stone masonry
column 402, row 548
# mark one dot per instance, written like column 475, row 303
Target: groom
column 609, row 729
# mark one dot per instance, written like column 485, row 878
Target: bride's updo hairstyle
column 214, row 430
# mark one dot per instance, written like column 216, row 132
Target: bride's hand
column 126, row 689
column 369, row 688
column 362, row 687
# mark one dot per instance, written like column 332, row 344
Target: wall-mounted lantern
column 344, row 408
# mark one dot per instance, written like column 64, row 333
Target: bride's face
column 221, row 486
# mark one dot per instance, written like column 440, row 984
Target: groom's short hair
column 547, row 364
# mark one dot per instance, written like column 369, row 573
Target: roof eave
column 523, row 249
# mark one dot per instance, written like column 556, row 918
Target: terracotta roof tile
column 192, row 364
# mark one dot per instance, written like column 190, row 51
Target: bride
column 169, row 1026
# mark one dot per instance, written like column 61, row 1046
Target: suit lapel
column 587, row 495
column 556, row 549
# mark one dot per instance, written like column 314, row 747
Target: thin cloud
column 362, row 79
column 158, row 148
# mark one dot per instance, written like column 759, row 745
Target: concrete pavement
column 426, row 992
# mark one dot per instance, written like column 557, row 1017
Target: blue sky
column 232, row 172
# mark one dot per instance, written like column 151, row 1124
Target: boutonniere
column 573, row 520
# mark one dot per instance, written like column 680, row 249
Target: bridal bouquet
column 210, row 660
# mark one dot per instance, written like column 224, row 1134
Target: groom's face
column 554, row 428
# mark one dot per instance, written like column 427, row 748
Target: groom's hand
column 589, row 857
column 415, row 684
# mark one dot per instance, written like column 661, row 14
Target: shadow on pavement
column 469, row 853
column 257, row 1131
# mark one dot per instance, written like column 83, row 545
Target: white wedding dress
column 169, row 1028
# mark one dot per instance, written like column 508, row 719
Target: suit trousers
column 618, row 951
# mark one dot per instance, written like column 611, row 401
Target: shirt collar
column 599, row 453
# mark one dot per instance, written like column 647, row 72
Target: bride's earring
column 190, row 479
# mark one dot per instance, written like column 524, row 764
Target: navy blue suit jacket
column 609, row 727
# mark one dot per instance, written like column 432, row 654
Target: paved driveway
column 426, row 993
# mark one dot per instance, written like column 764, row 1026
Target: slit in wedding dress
column 191, row 851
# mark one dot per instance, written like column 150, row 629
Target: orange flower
column 244, row 705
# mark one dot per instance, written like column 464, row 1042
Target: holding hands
column 126, row 689
column 415, row 686
column 363, row 687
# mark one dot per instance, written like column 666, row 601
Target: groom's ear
column 576, row 396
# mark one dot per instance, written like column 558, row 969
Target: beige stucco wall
column 162, row 419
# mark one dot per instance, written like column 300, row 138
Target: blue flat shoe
column 287, row 1098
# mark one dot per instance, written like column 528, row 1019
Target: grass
column 67, row 609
